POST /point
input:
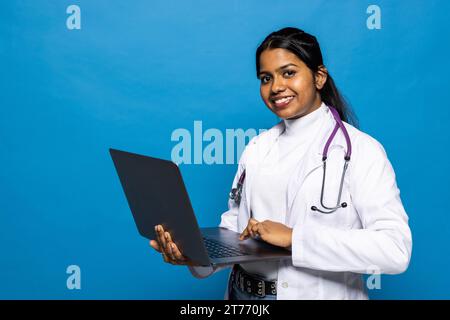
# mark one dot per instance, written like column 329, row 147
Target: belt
column 252, row 284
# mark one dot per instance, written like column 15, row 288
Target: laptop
column 156, row 194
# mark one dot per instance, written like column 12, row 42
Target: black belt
column 252, row 284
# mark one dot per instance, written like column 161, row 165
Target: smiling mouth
column 282, row 102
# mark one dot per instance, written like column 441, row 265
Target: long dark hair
column 307, row 49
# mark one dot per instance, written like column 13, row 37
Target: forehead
column 271, row 59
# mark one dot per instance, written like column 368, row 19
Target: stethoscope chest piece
column 236, row 193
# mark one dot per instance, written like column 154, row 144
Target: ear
column 320, row 77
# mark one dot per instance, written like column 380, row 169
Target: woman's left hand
column 271, row 232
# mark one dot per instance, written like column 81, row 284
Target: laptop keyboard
column 217, row 249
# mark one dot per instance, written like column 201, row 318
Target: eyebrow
column 282, row 67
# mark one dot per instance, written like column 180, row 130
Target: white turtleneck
column 269, row 186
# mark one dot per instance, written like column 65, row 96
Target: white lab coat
column 331, row 251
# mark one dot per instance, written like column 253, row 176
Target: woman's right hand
column 169, row 250
column 250, row 230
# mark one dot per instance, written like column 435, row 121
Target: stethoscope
column 235, row 193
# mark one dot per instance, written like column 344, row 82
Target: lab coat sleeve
column 384, row 243
column 228, row 221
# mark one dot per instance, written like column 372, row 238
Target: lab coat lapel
column 261, row 148
column 311, row 161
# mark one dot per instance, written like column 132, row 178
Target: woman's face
column 288, row 87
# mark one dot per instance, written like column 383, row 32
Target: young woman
column 314, row 184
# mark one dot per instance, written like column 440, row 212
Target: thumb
column 155, row 245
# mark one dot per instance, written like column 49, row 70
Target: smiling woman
column 294, row 80
column 288, row 87
column 313, row 184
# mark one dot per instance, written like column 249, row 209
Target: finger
column 160, row 246
column 249, row 230
column 169, row 246
column 256, row 230
column 171, row 255
column 168, row 237
column 163, row 245
column 160, row 234
column 177, row 253
column 255, row 227
column 262, row 231
column 244, row 234
column 154, row 244
column 158, row 239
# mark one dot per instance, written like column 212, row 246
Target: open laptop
column 156, row 195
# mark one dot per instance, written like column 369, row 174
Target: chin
column 284, row 114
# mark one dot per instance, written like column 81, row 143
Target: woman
column 348, row 222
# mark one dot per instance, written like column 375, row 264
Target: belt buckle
column 273, row 288
column 261, row 292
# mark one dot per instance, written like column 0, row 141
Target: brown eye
column 265, row 79
column 290, row 73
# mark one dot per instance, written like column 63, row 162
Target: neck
column 314, row 106
column 305, row 123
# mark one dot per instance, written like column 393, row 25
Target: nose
column 278, row 85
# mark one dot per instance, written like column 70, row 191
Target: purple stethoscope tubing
column 348, row 154
column 235, row 193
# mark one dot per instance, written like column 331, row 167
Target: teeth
column 283, row 100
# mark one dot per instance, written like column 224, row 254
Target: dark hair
column 307, row 49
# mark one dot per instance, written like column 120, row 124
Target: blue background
column 137, row 70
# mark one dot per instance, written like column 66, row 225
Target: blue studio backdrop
column 78, row 77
